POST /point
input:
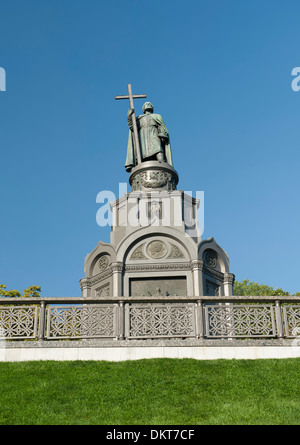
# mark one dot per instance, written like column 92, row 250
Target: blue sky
column 219, row 73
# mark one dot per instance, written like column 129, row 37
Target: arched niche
column 157, row 263
column 99, row 260
column 213, row 256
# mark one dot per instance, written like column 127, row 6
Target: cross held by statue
column 135, row 131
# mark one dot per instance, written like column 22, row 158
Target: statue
column 148, row 136
column 153, row 138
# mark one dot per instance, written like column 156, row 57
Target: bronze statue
column 154, row 141
column 148, row 136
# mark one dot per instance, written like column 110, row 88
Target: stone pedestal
column 153, row 175
column 156, row 248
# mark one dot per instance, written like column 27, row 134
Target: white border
column 137, row 353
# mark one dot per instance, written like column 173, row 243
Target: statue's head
column 148, row 107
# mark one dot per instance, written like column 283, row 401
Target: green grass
column 151, row 392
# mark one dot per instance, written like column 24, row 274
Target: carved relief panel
column 103, row 291
column 157, row 250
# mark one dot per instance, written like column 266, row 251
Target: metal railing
column 149, row 318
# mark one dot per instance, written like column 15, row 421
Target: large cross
column 135, row 132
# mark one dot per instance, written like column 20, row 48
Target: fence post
column 42, row 321
column 279, row 322
column 199, row 309
column 121, row 320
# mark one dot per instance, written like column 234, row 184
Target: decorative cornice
column 119, row 267
column 213, row 273
column 101, row 276
column 157, row 267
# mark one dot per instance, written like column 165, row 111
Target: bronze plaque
column 157, row 287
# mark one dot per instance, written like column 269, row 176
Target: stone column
column 85, row 287
column 228, row 284
column 117, row 269
column 197, row 273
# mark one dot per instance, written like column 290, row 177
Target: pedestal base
column 153, row 175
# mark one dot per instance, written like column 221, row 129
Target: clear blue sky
column 219, row 72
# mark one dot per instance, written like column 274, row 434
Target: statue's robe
column 151, row 129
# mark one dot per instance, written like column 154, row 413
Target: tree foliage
column 249, row 288
column 8, row 293
column 32, row 291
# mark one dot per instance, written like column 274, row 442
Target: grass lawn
column 151, row 392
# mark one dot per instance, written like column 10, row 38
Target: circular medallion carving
column 157, row 249
column 153, row 175
column 211, row 258
column 103, row 262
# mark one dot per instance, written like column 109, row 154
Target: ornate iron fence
column 19, row 322
column 291, row 317
column 156, row 320
column 229, row 320
column 88, row 321
column 149, row 318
